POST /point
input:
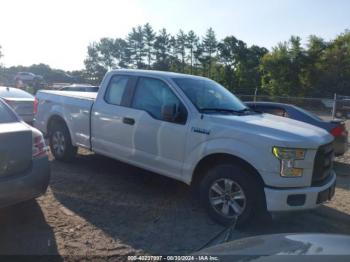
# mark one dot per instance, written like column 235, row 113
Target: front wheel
column 61, row 143
column 229, row 191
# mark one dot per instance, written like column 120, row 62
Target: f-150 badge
column 201, row 130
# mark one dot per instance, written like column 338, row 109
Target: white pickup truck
column 194, row 130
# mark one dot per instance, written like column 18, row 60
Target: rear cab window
column 116, row 89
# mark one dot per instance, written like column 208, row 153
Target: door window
column 153, row 95
column 116, row 90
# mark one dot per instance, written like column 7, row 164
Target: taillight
column 338, row 131
column 35, row 106
column 39, row 146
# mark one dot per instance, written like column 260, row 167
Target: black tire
column 67, row 152
column 242, row 181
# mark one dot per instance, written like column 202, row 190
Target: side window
column 5, row 115
column 154, row 96
column 116, row 89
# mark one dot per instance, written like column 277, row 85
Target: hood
column 261, row 248
column 281, row 131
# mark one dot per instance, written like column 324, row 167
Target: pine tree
column 180, row 47
column 150, row 37
column 136, row 46
column 162, row 49
column 192, row 44
column 210, row 47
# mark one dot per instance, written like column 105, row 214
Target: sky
column 57, row 32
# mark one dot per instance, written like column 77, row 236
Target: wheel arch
column 57, row 119
column 216, row 158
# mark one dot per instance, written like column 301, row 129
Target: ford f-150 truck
column 194, row 130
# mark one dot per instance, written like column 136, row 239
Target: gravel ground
column 98, row 206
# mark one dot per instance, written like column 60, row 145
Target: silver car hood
column 258, row 248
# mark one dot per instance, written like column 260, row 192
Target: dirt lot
column 98, row 206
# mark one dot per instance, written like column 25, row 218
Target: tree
column 209, row 46
column 198, row 59
column 180, row 47
column 282, row 69
column 311, row 68
column 231, row 53
column 334, row 68
column 94, row 70
column 136, row 47
column 162, row 50
column 192, row 44
column 318, row 69
column 248, row 74
column 150, row 37
column 105, row 55
column 175, row 63
column 120, row 53
column 105, row 49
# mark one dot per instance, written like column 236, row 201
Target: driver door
column 159, row 144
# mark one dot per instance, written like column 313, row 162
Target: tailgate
column 15, row 148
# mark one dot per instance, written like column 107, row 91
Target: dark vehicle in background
column 336, row 127
column 27, row 76
column 24, row 165
column 304, row 247
column 29, row 82
column 80, row 88
column 21, row 101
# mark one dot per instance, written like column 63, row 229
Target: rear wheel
column 229, row 191
column 61, row 143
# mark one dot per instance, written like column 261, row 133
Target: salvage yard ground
column 98, row 206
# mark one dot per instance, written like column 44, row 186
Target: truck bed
column 73, row 107
column 74, row 94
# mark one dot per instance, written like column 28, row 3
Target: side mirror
column 169, row 112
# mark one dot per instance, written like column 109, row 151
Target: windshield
column 207, row 94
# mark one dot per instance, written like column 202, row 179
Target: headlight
column 288, row 157
column 289, row 153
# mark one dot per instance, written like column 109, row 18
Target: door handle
column 128, row 121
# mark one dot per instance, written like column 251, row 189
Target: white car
column 194, row 130
column 21, row 101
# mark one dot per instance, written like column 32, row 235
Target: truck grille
column 323, row 164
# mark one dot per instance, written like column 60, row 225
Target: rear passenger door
column 110, row 134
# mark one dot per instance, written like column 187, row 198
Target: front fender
column 247, row 152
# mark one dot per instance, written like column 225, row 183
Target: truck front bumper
column 278, row 199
